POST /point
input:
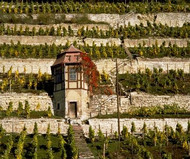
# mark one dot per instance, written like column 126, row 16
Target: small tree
column 73, row 152
column 27, row 109
column 133, row 129
column 100, row 135
column 35, row 131
column 10, row 109
column 61, row 147
column 179, row 128
column 125, row 132
column 144, row 130
column 91, row 134
column 20, row 109
column 49, row 113
column 9, row 147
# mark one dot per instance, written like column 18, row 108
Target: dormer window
column 72, row 74
column 69, row 58
column 77, row 57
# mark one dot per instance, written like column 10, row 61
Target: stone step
column 84, row 151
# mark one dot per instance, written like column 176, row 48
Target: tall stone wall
column 43, row 99
column 109, row 126
column 17, row 125
column 107, row 65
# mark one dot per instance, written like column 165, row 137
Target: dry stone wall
column 100, row 104
column 43, row 99
column 103, row 104
column 115, row 20
column 31, row 65
column 107, row 65
column 153, row 41
column 109, row 126
column 141, row 64
column 17, row 125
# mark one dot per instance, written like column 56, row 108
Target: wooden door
column 73, row 110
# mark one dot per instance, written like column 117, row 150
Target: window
column 58, row 106
column 88, row 105
column 72, row 74
column 58, row 75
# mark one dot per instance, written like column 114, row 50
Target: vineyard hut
column 71, row 90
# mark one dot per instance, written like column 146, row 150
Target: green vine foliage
column 135, row 32
column 103, row 52
column 157, row 82
column 91, row 7
column 21, row 82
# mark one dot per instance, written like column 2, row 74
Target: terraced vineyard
column 151, row 42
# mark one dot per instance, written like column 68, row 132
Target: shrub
column 10, row 109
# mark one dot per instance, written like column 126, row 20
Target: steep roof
column 72, row 49
column 64, row 57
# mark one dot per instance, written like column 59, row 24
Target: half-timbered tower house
column 71, row 96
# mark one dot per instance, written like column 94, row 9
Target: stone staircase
column 83, row 149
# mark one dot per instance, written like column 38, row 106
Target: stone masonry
column 106, row 125
column 16, row 125
column 42, row 99
column 107, row 65
column 110, row 125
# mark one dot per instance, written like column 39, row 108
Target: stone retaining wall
column 153, row 41
column 43, row 99
column 111, row 125
column 107, row 65
column 115, row 20
column 103, row 104
column 16, row 125
column 108, row 126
